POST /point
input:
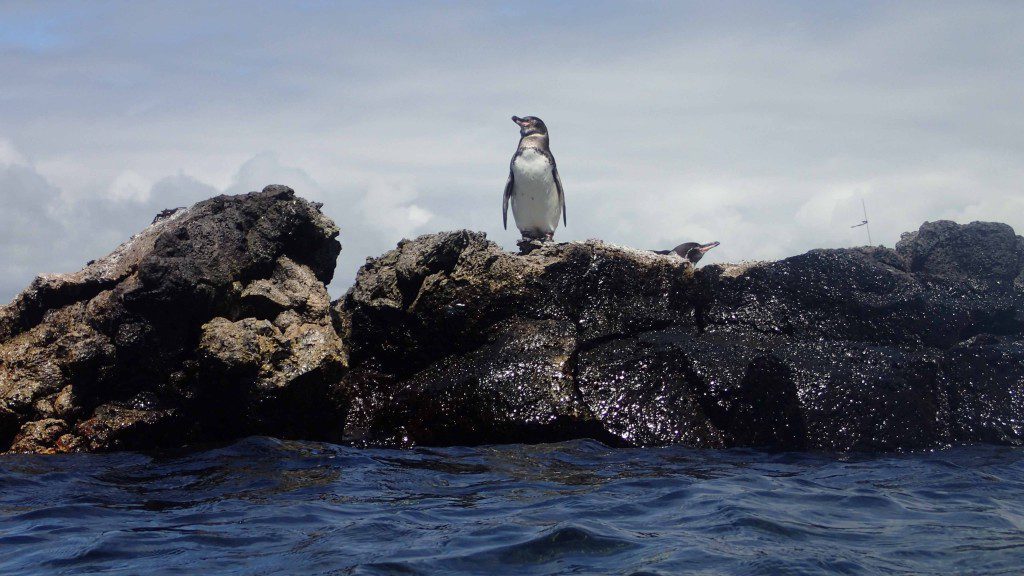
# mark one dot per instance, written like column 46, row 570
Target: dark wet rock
column 211, row 323
column 455, row 341
column 474, row 344
column 985, row 380
column 115, row 426
column 842, row 294
column 215, row 323
column 513, row 388
column 765, row 410
column 858, row 397
column 979, row 250
column 443, row 293
column 646, row 390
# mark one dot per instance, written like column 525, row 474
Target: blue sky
column 761, row 125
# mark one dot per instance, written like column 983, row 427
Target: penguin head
column 694, row 251
column 530, row 125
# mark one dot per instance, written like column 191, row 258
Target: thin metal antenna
column 864, row 222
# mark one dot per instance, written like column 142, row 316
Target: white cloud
column 758, row 124
column 129, row 187
column 388, row 206
column 31, row 237
column 265, row 168
column 10, row 156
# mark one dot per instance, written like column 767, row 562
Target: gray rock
column 980, row 250
column 211, row 323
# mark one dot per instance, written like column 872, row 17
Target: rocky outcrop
column 215, row 323
column 460, row 342
column 212, row 323
column 455, row 341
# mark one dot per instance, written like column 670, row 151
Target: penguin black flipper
column 561, row 194
column 558, row 186
column 507, row 196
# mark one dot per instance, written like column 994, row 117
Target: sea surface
column 264, row 506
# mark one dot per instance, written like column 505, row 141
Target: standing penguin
column 533, row 185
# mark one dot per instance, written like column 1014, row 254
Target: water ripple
column 264, row 506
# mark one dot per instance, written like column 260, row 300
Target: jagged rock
column 645, row 391
column 858, row 397
column 152, row 345
column 42, row 436
column 459, row 341
column 985, row 379
column 513, row 388
column 117, row 426
column 215, row 323
column 979, row 250
column 455, row 341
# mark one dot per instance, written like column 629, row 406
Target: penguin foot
column 527, row 245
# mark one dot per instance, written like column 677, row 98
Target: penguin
column 533, row 185
column 690, row 251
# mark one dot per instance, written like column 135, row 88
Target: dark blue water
column 264, row 506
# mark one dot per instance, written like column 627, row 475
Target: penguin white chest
column 535, row 204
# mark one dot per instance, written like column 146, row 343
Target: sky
column 762, row 125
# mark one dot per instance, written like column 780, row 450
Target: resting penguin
column 691, row 251
column 533, row 185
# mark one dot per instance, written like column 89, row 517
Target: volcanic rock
column 455, row 341
column 212, row 323
column 215, row 323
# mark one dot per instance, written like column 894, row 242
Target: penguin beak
column 705, row 247
column 519, row 120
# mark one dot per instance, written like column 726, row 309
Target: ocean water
column 264, row 506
